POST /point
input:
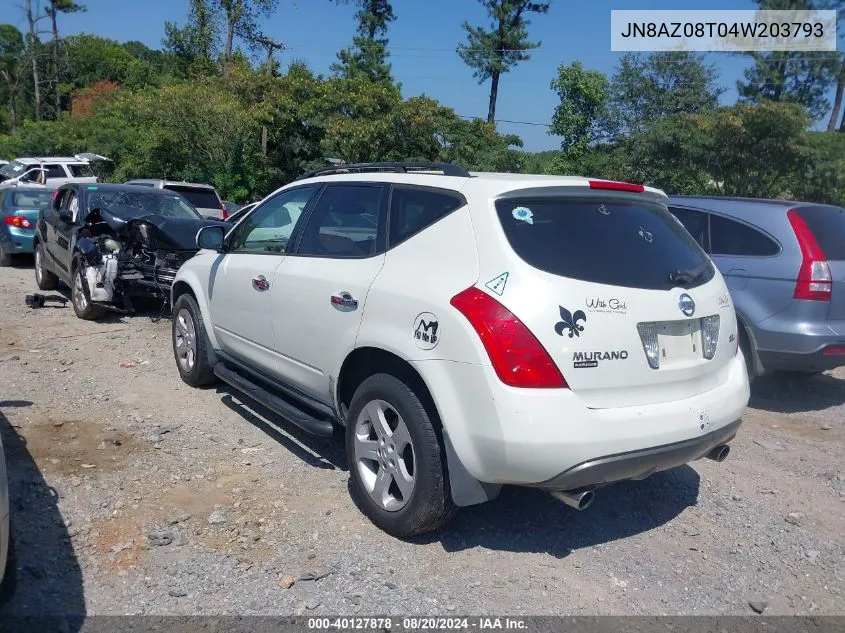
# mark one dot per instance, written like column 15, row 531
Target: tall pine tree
column 495, row 51
column 367, row 57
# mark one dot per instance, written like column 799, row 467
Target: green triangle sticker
column 497, row 285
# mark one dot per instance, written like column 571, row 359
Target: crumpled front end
column 122, row 260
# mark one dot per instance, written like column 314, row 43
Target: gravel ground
column 135, row 494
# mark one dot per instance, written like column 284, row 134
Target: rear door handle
column 344, row 301
column 260, row 283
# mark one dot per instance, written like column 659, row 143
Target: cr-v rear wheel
column 396, row 461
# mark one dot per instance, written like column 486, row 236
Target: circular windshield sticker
column 523, row 214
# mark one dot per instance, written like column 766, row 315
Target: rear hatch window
column 201, row 198
column 609, row 241
column 827, row 224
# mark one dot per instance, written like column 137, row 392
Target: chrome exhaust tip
column 719, row 453
column 578, row 500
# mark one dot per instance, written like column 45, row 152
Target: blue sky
column 422, row 45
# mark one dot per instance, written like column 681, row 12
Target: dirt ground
column 135, row 494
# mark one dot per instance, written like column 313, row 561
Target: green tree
column 790, row 77
column 583, row 94
column 54, row 8
column 194, row 46
column 742, row 150
column 495, row 51
column 645, row 89
column 241, row 19
column 33, row 45
column 12, row 50
column 368, row 55
column 92, row 58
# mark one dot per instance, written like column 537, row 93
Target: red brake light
column 18, row 221
column 55, row 195
column 814, row 281
column 517, row 356
column 834, row 351
column 616, row 186
column 223, row 213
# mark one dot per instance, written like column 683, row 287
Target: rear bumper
column 639, row 464
column 535, row 436
column 17, row 240
column 823, row 359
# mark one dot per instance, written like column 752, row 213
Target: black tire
column 430, row 503
column 80, row 299
column 201, row 372
column 43, row 277
column 745, row 348
column 10, row 574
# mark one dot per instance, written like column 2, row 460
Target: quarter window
column 728, row 237
column 269, row 228
column 412, row 210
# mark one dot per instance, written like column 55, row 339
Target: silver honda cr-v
column 784, row 263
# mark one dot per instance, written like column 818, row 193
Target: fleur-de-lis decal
column 570, row 322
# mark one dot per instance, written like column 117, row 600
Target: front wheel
column 396, row 461
column 190, row 343
column 43, row 277
column 82, row 305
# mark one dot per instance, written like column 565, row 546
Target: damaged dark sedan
column 114, row 243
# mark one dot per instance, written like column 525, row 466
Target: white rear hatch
column 625, row 302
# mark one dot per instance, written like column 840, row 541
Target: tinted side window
column 695, row 223
column 55, row 171
column 412, row 210
column 201, row 198
column 345, row 222
column 629, row 243
column 269, row 228
column 728, row 237
column 81, row 170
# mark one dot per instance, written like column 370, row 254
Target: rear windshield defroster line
column 604, row 240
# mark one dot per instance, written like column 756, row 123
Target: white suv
column 57, row 170
column 469, row 331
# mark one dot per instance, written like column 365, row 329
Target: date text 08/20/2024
column 416, row 623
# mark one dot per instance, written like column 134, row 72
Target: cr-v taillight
column 814, row 280
column 517, row 356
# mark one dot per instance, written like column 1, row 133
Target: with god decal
column 609, row 305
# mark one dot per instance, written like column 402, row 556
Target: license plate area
column 679, row 342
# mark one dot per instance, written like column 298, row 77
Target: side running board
column 290, row 412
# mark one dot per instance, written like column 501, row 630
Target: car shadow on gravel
column 325, row 453
column 530, row 520
column 790, row 393
column 49, row 578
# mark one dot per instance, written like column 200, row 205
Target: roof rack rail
column 446, row 169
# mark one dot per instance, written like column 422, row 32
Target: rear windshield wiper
column 688, row 276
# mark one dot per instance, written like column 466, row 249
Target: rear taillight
column 18, row 221
column 834, row 351
column 814, row 280
column 616, row 186
column 517, row 356
column 223, row 213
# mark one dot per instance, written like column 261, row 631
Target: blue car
column 19, row 208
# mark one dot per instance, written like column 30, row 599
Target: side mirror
column 65, row 216
column 211, row 238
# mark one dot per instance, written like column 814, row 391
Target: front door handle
column 344, row 301
column 260, row 283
